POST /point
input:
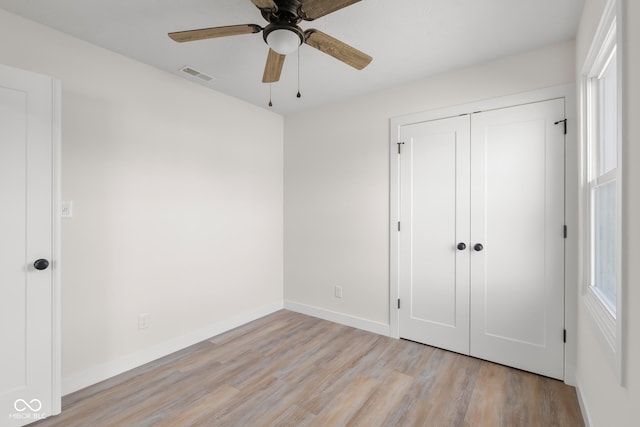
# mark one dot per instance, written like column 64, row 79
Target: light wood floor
column 288, row 369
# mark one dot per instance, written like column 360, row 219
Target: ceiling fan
column 284, row 36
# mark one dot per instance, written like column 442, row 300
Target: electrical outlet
column 144, row 321
column 338, row 291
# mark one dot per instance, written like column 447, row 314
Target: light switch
column 67, row 209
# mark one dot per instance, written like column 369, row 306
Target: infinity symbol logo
column 21, row 405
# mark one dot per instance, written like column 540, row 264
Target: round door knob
column 41, row 264
column 478, row 247
column 462, row 246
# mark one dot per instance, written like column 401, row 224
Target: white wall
column 337, row 180
column 607, row 403
column 177, row 194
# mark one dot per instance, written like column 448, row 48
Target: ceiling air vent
column 192, row 72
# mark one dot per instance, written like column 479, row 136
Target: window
column 601, row 200
column 602, row 152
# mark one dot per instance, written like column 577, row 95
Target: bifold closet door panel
column 517, row 215
column 434, row 214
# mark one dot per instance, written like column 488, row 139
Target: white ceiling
column 408, row 39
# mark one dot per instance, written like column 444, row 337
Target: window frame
column 608, row 323
column 597, row 179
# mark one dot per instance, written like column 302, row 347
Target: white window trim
column 609, row 327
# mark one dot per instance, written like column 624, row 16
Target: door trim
column 56, row 250
column 568, row 92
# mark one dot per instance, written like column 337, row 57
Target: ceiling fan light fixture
column 284, row 40
column 284, row 36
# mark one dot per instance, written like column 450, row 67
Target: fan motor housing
column 286, row 11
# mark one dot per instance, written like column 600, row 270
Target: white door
column 493, row 183
column 26, row 217
column 434, row 274
column 517, row 214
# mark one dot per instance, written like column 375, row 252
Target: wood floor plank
column 146, row 412
column 559, row 406
column 409, row 357
column 246, row 404
column 123, row 396
column 375, row 411
column 346, row 403
column 293, row 417
column 489, row 397
column 401, row 414
column 453, row 391
column 520, row 383
column 312, row 357
column 288, row 369
column 201, row 410
column 156, row 369
column 280, row 356
column 340, row 370
column 253, row 405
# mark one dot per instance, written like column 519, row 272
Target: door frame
column 568, row 92
column 56, row 249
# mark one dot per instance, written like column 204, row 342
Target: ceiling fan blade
column 210, row 33
column 339, row 50
column 314, row 9
column 264, row 4
column 272, row 70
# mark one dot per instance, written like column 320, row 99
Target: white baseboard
column 583, row 404
column 343, row 319
column 107, row 370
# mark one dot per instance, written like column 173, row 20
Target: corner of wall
column 343, row 319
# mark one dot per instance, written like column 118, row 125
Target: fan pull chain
column 298, row 95
column 270, row 103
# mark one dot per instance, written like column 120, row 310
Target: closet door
column 434, row 219
column 517, row 215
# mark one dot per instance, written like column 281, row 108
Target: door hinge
column 398, row 225
column 565, row 232
column 565, row 124
column 399, row 145
column 398, row 303
column 564, row 336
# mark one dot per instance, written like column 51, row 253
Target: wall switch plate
column 143, row 320
column 67, row 209
column 338, row 291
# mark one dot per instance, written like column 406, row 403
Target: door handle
column 462, row 246
column 478, row 247
column 41, row 264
